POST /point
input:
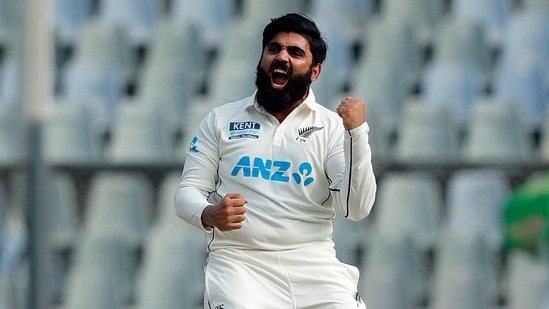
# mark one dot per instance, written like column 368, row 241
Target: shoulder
column 230, row 108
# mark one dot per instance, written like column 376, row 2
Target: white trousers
column 309, row 277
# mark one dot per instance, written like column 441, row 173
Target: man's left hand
column 352, row 111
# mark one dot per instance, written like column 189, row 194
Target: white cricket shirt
column 293, row 173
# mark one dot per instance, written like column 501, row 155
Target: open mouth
column 279, row 78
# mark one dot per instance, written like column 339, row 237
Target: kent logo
column 246, row 125
column 244, row 129
column 273, row 170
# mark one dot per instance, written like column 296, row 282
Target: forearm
column 358, row 186
column 190, row 204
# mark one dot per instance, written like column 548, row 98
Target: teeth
column 280, row 71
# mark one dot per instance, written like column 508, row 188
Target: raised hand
column 352, row 111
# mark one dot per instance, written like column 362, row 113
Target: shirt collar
column 310, row 102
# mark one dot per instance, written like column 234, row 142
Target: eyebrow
column 293, row 48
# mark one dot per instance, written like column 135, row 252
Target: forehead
column 291, row 39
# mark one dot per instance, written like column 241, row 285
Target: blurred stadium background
column 89, row 162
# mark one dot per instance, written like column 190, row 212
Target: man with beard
column 263, row 178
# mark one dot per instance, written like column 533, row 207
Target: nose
column 282, row 55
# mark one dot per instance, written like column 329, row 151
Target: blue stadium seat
column 179, row 46
column 352, row 15
column 474, row 204
column 392, row 274
column 69, row 16
column 522, row 81
column 70, row 136
column 526, row 281
column 465, row 274
column 396, row 43
column 137, row 17
column 496, row 132
column 140, row 135
column 211, row 17
column 427, row 133
column 457, row 85
column 118, row 207
column 409, row 204
column 465, row 43
column 423, row 16
column 492, row 15
column 101, row 274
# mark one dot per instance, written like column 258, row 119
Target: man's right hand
column 226, row 215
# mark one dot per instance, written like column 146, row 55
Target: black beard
column 274, row 100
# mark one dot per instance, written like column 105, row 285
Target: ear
column 316, row 70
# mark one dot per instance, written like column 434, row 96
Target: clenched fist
column 352, row 111
column 226, row 215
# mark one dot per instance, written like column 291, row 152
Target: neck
column 281, row 115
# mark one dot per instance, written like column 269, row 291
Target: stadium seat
column 264, row 10
column 63, row 227
column 137, row 18
column 352, row 15
column 527, row 30
column 427, row 133
column 140, row 135
column 172, row 271
column 11, row 69
column 211, row 17
column 474, row 203
column 523, row 71
column 422, row 15
column 393, row 42
column 100, row 85
column 69, row 16
column 91, row 289
column 198, row 110
column 393, row 273
column 526, row 281
column 180, row 46
column 101, row 275
column 166, row 87
column 383, row 89
column 465, row 274
column 522, row 81
column 380, row 135
column 232, row 75
column 106, row 44
column 350, row 238
column 496, row 133
column 465, row 43
column 337, row 66
column 165, row 206
column 119, row 206
column 11, row 17
column 12, row 254
column 12, row 141
column 456, row 85
column 409, row 204
column 492, row 15
column 70, row 136
column 64, row 219
column 161, row 283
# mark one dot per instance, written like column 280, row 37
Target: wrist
column 205, row 218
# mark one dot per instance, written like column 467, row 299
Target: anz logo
column 280, row 171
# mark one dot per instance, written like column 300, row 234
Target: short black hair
column 298, row 23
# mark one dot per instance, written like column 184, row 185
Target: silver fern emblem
column 304, row 133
